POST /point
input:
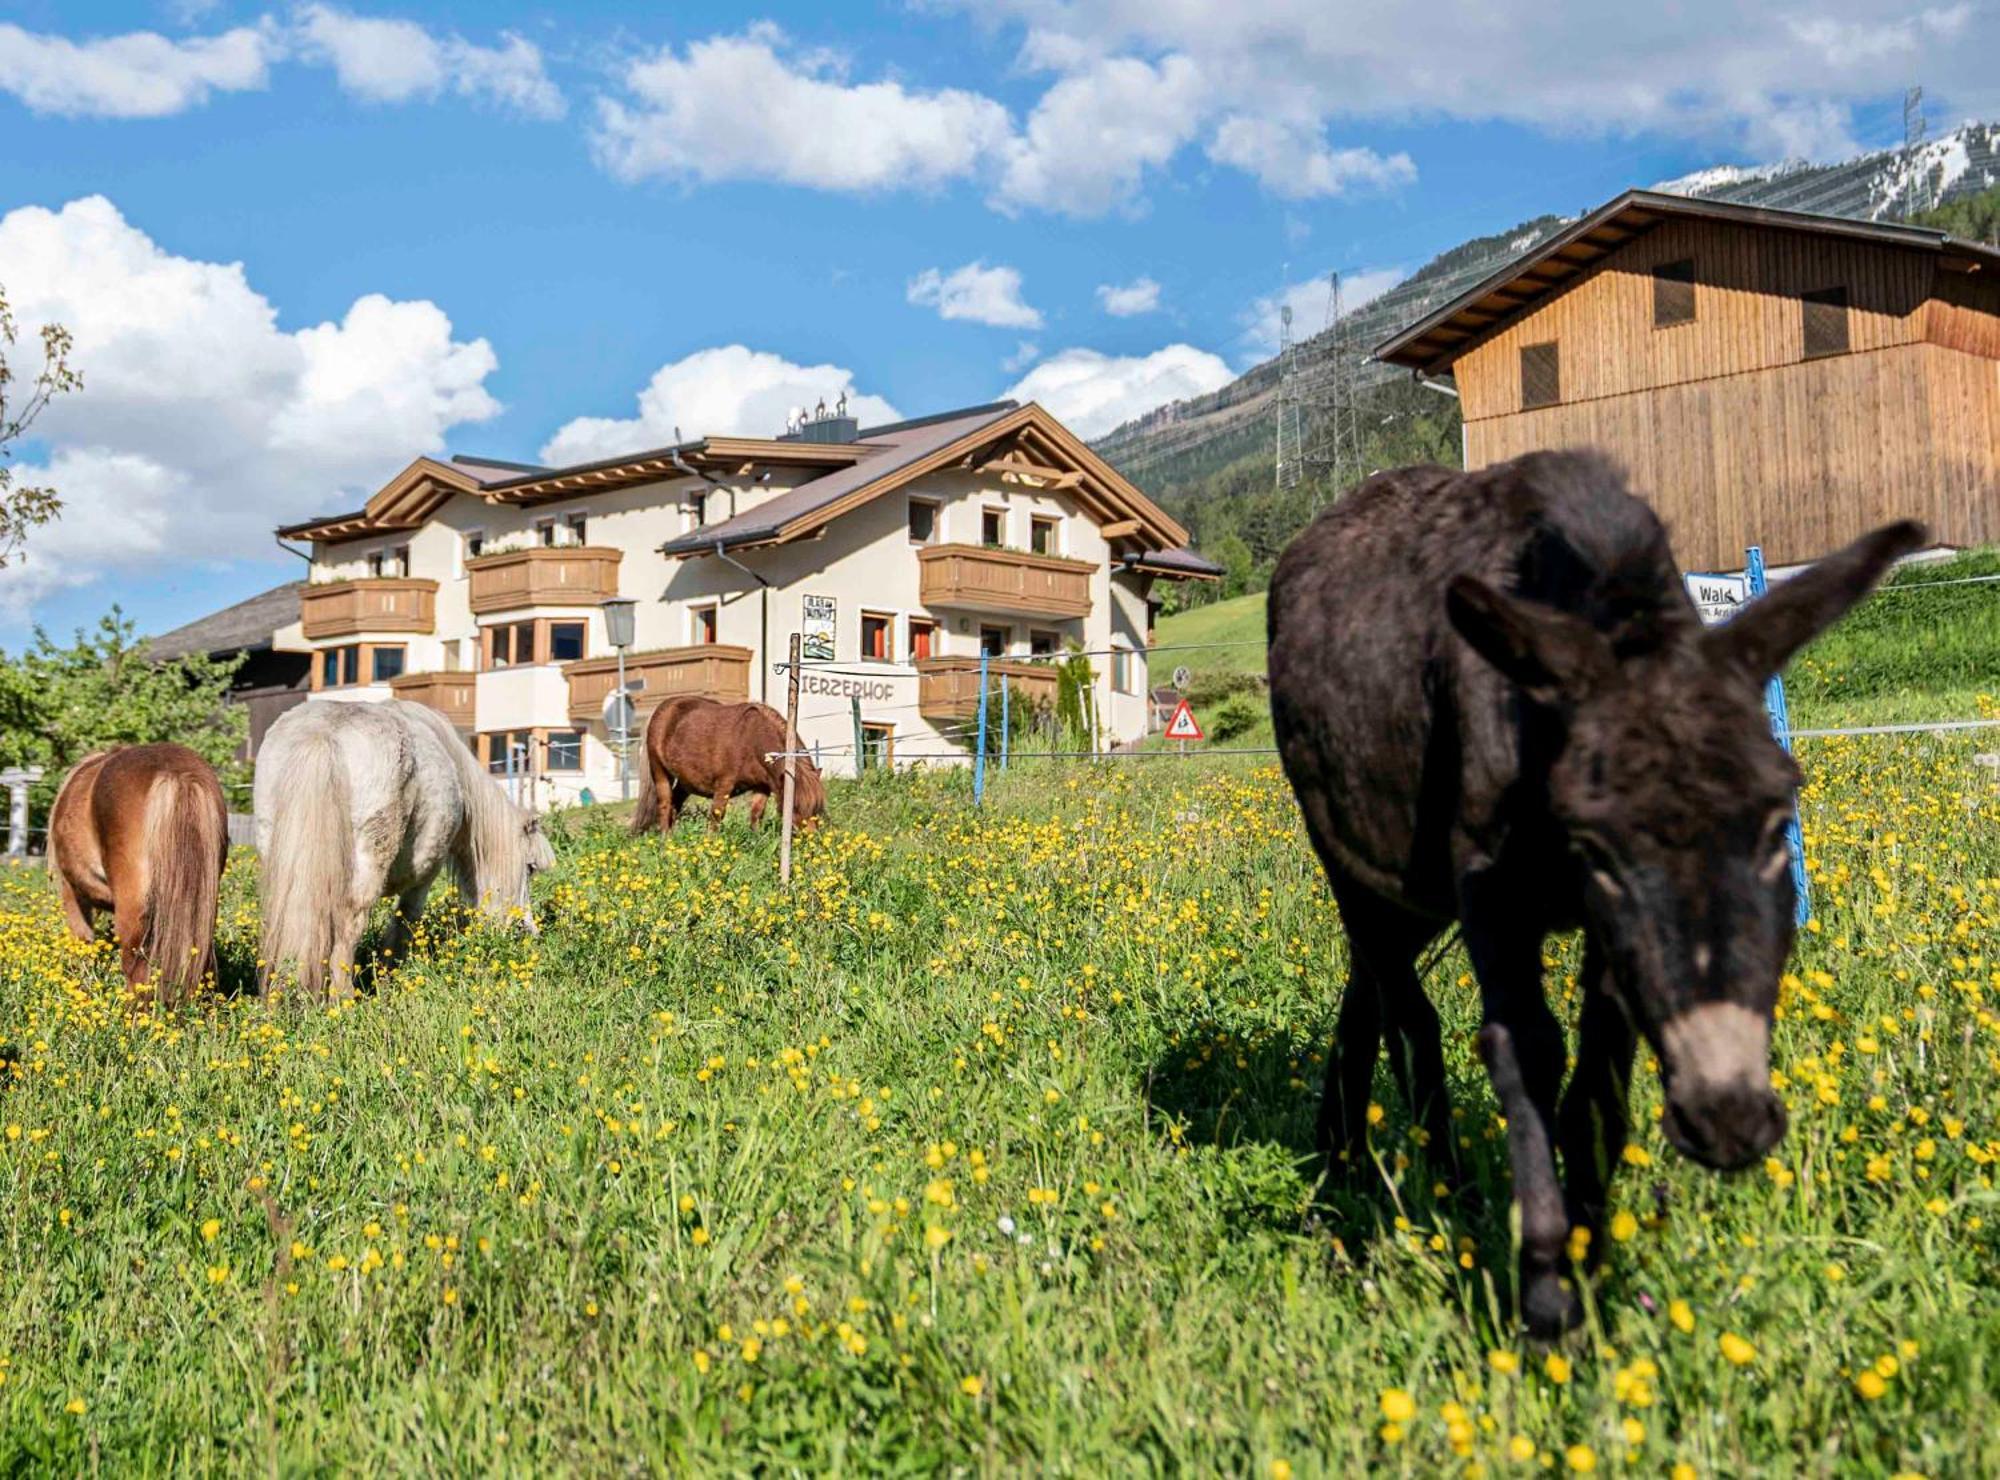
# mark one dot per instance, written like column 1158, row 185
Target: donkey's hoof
column 1549, row 1307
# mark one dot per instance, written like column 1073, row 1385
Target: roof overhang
column 722, row 457
column 1435, row 341
column 404, row 502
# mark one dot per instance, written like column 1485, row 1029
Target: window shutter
column 1541, row 375
column 1825, row 322
column 1673, row 293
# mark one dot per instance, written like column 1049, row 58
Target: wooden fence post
column 791, row 763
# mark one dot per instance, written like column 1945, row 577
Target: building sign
column 1716, row 597
column 820, row 625
column 839, row 686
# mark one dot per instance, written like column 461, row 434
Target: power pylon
column 1289, row 461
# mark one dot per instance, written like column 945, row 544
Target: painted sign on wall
column 817, row 632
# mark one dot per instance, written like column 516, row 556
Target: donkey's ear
column 1551, row 656
column 1763, row 636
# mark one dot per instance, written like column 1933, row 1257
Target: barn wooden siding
column 1733, row 434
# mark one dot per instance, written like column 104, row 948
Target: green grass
column 656, row 1190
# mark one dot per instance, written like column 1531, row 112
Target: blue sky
column 531, row 230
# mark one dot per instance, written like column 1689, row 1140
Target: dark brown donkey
column 703, row 747
column 144, row 833
column 1497, row 705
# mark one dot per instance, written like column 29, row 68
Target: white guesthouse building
column 901, row 553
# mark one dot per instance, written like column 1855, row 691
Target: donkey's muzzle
column 1725, row 1128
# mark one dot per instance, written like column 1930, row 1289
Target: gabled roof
column 1025, row 441
column 1433, row 342
column 245, row 627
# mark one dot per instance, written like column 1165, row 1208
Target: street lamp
column 619, row 619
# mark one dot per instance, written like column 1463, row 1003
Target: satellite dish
column 620, row 715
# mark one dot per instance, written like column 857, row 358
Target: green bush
column 1237, row 715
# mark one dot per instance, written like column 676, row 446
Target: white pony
column 356, row 801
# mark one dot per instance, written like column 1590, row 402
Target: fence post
column 1006, row 721
column 1781, row 728
column 791, row 763
column 860, row 754
column 979, row 757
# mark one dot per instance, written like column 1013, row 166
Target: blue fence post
column 979, row 758
column 1781, row 727
column 1006, row 727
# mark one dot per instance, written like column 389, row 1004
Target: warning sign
column 1182, row 726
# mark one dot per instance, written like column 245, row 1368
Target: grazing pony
column 697, row 746
column 1497, row 705
column 143, row 832
column 356, row 801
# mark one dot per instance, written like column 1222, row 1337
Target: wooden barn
column 1768, row 377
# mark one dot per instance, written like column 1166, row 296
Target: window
column 992, row 527
column 473, row 541
column 510, row 645
column 510, row 752
column 1124, row 670
column 923, row 638
column 1044, row 644
column 993, row 641
column 1541, row 376
column 339, row 667
column 1673, row 293
column 878, row 747
column 399, row 561
column 878, row 640
column 565, row 641
column 1824, row 322
column 923, row 522
column 384, row 663
column 1044, row 532
column 698, row 509
column 545, row 531
column 578, row 526
column 701, row 624
column 378, row 564
column 565, row 750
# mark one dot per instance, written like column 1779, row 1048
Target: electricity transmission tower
column 1289, row 461
column 1335, row 455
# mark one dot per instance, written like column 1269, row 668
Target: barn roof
column 1432, row 343
column 245, row 627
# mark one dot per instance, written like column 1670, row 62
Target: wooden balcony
column 715, row 670
column 994, row 580
column 450, row 694
column 382, row 604
column 948, row 688
column 544, row 575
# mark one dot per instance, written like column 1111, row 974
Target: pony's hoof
column 1549, row 1307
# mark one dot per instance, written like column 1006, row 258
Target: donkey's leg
column 128, row 918
column 1350, row 1068
column 1392, row 940
column 402, row 924
column 758, row 802
column 672, row 800
column 79, row 915
column 1522, row 1045
column 1594, row 1123
column 720, row 804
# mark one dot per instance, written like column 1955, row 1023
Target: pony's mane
column 496, row 837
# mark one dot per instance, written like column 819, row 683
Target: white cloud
column 382, row 60
column 985, row 295
column 1025, row 353
column 1293, row 161
column 202, row 424
column 1094, row 134
column 749, row 107
column 1308, row 303
column 1092, row 392
column 1141, row 295
column 138, row 75
column 729, row 390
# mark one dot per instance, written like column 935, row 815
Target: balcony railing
column 544, row 575
column 948, row 688
column 715, row 670
column 996, row 580
column 450, row 694
column 380, row 604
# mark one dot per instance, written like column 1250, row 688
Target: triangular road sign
column 1182, row 726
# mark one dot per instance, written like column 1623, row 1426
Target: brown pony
column 702, row 747
column 143, row 832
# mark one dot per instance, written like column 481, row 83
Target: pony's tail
column 307, row 865
column 646, row 812
column 186, row 841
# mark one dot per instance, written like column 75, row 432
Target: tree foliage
column 24, row 506
column 1971, row 217
column 57, row 704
